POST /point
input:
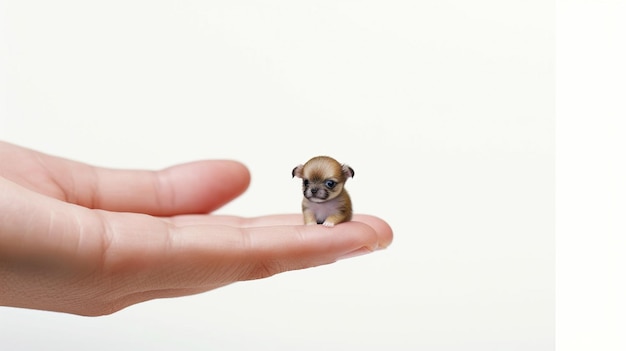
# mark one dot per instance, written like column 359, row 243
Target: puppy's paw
column 328, row 224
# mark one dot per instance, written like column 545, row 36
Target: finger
column 277, row 249
column 197, row 187
column 199, row 256
column 176, row 261
column 381, row 227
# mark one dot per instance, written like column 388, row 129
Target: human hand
column 92, row 241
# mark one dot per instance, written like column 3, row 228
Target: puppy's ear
column 347, row 171
column 297, row 172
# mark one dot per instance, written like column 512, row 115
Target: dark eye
column 330, row 183
column 305, row 182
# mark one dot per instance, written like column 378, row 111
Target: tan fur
column 325, row 201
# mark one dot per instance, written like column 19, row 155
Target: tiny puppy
column 326, row 201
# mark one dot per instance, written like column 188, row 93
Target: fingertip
column 383, row 230
column 232, row 170
column 335, row 240
column 204, row 186
column 237, row 169
column 369, row 233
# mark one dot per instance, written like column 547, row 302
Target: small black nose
column 314, row 191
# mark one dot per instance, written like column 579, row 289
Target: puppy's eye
column 330, row 184
column 305, row 182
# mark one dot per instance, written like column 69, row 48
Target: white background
column 591, row 175
column 444, row 109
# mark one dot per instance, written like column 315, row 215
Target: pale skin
column 92, row 241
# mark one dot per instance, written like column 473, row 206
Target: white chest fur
column 324, row 209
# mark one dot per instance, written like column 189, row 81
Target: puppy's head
column 322, row 178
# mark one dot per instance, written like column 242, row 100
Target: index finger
column 381, row 227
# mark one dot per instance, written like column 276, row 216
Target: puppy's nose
column 314, row 191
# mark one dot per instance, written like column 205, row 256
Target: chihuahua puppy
column 326, row 201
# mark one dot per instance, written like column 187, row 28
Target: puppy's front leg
column 334, row 219
column 309, row 217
